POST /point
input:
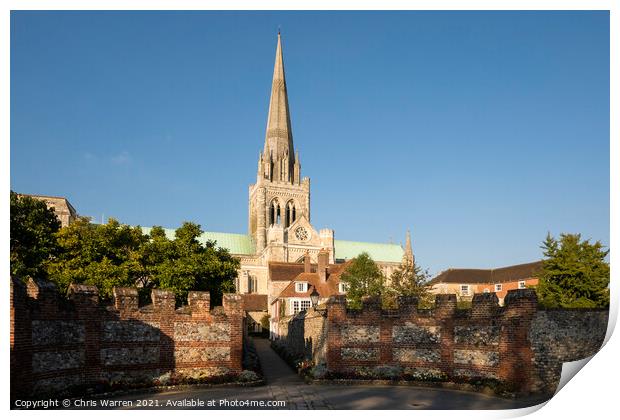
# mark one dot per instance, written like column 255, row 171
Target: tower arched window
column 274, row 212
column 271, row 214
column 290, row 213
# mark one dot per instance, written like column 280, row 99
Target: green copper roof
column 346, row 250
column 240, row 244
column 236, row 243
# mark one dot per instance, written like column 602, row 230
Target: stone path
column 283, row 382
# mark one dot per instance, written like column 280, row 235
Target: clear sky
column 479, row 131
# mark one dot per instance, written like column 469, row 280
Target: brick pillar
column 21, row 341
column 125, row 299
column 200, row 304
column 233, row 306
column 484, row 305
column 371, row 311
column 45, row 294
column 163, row 307
column 515, row 353
column 86, row 301
column 336, row 316
column 445, row 308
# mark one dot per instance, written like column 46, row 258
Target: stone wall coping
column 483, row 305
column 125, row 299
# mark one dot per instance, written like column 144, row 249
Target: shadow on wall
column 78, row 345
column 517, row 347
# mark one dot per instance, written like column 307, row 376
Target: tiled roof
column 345, row 250
column 490, row 276
column 236, row 243
column 280, row 271
column 254, row 302
column 325, row 289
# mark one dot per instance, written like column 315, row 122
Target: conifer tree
column 574, row 273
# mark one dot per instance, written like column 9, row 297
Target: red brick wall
column 58, row 344
column 512, row 344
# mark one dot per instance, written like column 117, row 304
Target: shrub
column 248, row 376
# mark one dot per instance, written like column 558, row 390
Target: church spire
column 279, row 137
column 408, row 257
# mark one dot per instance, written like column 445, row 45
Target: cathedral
column 280, row 236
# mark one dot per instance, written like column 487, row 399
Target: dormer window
column 301, row 286
column 343, row 287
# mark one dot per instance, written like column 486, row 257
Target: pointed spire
column 279, row 136
column 408, row 257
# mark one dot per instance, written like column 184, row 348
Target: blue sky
column 479, row 131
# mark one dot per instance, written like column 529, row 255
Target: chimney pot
column 307, row 268
column 323, row 260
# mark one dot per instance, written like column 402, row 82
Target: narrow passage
column 284, row 383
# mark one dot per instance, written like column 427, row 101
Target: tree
column 113, row 254
column 574, row 273
column 33, row 226
column 188, row 265
column 411, row 280
column 363, row 278
column 105, row 255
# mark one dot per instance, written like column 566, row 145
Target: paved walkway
column 284, row 385
column 283, row 382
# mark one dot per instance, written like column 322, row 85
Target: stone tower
column 280, row 197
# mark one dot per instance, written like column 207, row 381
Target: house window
column 486, row 290
column 522, row 284
column 343, row 287
column 299, row 305
column 301, row 287
column 305, row 304
column 465, row 289
column 498, row 287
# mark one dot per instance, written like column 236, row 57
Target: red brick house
column 322, row 278
column 464, row 282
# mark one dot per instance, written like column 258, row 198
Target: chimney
column 323, row 260
column 307, row 267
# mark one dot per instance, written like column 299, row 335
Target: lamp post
column 314, row 298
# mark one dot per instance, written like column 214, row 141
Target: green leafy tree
column 105, row 255
column 411, row 280
column 33, row 226
column 363, row 278
column 113, row 254
column 574, row 273
column 189, row 265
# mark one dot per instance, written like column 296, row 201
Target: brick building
column 465, row 282
column 306, row 279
